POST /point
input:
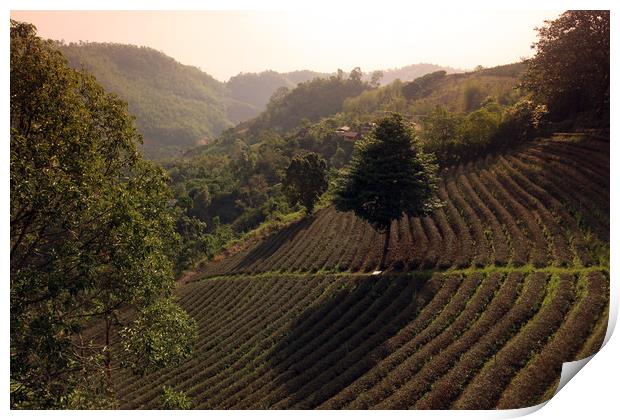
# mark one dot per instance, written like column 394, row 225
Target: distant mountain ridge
column 257, row 88
column 179, row 106
column 413, row 71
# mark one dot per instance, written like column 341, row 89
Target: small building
column 347, row 134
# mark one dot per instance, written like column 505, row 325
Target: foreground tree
column 306, row 180
column 90, row 230
column 570, row 71
column 389, row 176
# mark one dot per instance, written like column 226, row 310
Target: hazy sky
column 224, row 43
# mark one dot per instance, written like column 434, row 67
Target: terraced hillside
column 547, row 205
column 479, row 306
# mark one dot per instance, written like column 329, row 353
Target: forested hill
column 176, row 106
column 257, row 88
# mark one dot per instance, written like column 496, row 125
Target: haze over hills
column 413, row 71
column 257, row 88
column 179, row 106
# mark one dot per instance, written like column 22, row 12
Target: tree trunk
column 386, row 248
column 107, row 354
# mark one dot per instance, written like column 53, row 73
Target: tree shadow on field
column 270, row 245
column 340, row 338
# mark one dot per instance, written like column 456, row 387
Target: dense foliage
column 306, row 180
column 176, row 106
column 570, row 71
column 220, row 194
column 91, row 231
column 175, row 400
column 161, row 335
column 460, row 137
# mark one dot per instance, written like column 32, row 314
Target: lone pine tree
column 389, row 175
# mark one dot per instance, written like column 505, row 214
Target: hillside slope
column 480, row 305
column 458, row 92
column 523, row 208
column 176, row 106
column 255, row 89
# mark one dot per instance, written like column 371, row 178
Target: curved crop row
column 485, row 389
column 462, row 340
column 530, row 384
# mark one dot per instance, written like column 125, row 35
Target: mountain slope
column 176, row 106
column 458, row 92
column 480, row 304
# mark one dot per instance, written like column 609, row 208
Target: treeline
column 459, row 137
column 257, row 88
column 462, row 92
column 413, row 71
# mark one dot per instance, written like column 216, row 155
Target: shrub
column 175, row 400
column 521, row 122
